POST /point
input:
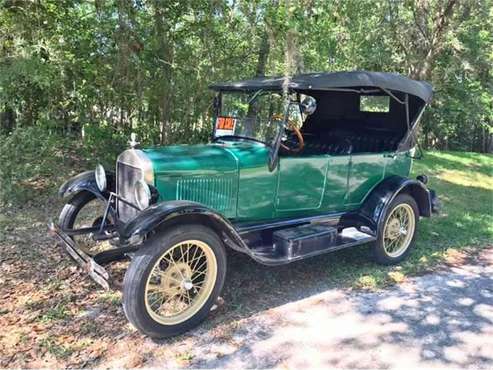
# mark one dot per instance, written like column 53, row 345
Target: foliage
column 145, row 65
column 32, row 161
column 103, row 144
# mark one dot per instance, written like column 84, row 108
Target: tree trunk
column 263, row 55
column 165, row 55
column 7, row 120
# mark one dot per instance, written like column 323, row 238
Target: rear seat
column 338, row 145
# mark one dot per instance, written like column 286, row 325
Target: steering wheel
column 291, row 126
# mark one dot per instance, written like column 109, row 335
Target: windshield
column 252, row 115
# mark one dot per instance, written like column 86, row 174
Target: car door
column 366, row 170
column 301, row 182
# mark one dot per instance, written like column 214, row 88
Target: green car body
column 234, row 179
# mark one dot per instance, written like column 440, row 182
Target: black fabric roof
column 332, row 80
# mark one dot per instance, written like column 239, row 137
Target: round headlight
column 100, row 175
column 142, row 194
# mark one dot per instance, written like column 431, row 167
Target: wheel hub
column 177, row 277
column 394, row 229
column 187, row 284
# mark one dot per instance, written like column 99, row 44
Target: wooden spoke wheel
column 399, row 230
column 396, row 235
column 173, row 280
column 180, row 282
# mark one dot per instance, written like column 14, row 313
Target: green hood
column 204, row 159
column 208, row 174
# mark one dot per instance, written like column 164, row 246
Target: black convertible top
column 335, row 80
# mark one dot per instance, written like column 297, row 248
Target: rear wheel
column 174, row 280
column 397, row 235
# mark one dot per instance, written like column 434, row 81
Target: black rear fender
column 376, row 204
column 164, row 215
column 86, row 181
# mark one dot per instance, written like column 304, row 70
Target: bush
column 102, row 144
column 33, row 162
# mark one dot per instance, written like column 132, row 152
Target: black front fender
column 376, row 204
column 86, row 181
column 165, row 214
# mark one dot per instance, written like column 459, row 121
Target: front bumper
column 97, row 272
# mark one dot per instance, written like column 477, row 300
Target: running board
column 305, row 246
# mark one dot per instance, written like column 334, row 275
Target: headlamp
column 100, row 175
column 142, row 194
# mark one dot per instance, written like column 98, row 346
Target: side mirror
column 308, row 105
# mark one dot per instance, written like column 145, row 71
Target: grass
column 44, row 298
column 56, row 313
column 464, row 184
column 58, row 350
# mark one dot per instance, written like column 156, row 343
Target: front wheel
column 84, row 210
column 396, row 236
column 173, row 280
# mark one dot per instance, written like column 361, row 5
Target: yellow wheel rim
column 399, row 230
column 180, row 282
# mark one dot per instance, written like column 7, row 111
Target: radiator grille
column 215, row 192
column 126, row 177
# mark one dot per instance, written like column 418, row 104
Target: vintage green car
column 296, row 167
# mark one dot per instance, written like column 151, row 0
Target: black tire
column 71, row 209
column 71, row 217
column 142, row 264
column 379, row 253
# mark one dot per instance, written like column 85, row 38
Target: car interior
column 347, row 122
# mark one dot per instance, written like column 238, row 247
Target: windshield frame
column 218, row 100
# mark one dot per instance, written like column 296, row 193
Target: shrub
column 32, row 162
column 102, row 144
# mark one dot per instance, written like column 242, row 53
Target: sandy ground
column 443, row 319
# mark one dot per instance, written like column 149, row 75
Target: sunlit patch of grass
column 58, row 312
column 367, row 282
column 396, row 276
column 57, row 350
column 113, row 298
column 184, row 357
column 467, row 178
